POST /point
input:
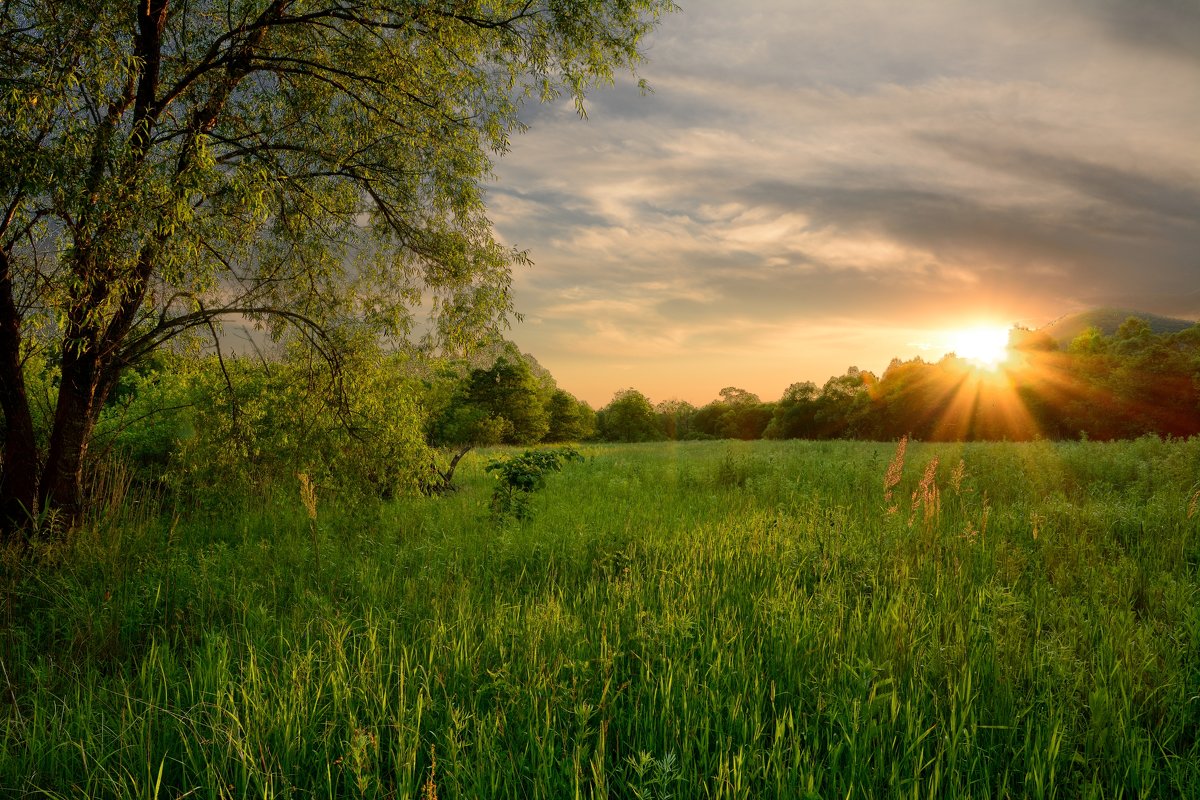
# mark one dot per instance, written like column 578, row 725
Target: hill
column 1107, row 320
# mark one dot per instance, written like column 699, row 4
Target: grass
column 674, row 620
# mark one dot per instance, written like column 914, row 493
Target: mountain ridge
column 1107, row 320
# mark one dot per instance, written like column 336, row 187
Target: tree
column 706, row 422
column 733, row 396
column 1091, row 340
column 794, row 416
column 675, row 418
column 739, row 414
column 509, row 391
column 570, row 420
column 843, row 402
column 502, row 403
column 747, row 422
column 1132, row 335
column 745, row 416
column 298, row 162
column 629, row 417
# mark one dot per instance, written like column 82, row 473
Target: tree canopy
column 312, row 163
column 629, row 418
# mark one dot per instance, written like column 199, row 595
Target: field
column 734, row 620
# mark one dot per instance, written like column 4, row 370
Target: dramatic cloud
column 818, row 184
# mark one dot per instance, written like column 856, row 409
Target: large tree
column 629, row 417
column 570, row 419
column 509, row 391
column 167, row 163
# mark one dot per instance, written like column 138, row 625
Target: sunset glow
column 858, row 186
column 985, row 346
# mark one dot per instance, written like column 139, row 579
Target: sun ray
column 983, row 408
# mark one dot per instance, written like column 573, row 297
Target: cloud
column 1170, row 27
column 810, row 177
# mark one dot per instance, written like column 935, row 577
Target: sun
column 984, row 345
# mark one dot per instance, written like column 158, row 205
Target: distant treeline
column 385, row 423
column 1132, row 383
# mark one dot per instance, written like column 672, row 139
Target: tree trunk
column 18, row 471
column 79, row 403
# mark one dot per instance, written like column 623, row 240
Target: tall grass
column 673, row 620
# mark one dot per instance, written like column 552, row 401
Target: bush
column 210, row 432
column 521, row 475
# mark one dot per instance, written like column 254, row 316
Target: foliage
column 508, row 403
column 629, row 417
column 1105, row 321
column 464, row 425
column 211, row 431
column 794, row 416
column 570, row 419
column 647, row 633
column 521, row 475
column 1101, row 387
column 737, row 415
column 675, row 418
column 509, row 392
column 316, row 165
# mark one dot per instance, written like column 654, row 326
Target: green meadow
column 688, row 620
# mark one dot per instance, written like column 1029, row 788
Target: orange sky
column 814, row 185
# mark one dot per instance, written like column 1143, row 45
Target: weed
column 927, row 498
column 308, row 497
column 429, row 788
column 732, row 471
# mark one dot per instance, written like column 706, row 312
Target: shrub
column 211, row 431
column 521, row 475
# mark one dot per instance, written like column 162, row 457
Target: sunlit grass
column 684, row 620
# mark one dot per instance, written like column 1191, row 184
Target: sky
column 814, row 185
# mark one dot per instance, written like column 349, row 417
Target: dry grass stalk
column 429, row 788
column 927, row 496
column 956, row 477
column 892, row 478
column 308, row 496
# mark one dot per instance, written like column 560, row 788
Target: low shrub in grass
column 521, row 475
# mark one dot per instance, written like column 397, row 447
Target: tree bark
column 80, row 398
column 446, row 477
column 18, row 472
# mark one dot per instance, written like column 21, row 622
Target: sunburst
column 985, row 346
